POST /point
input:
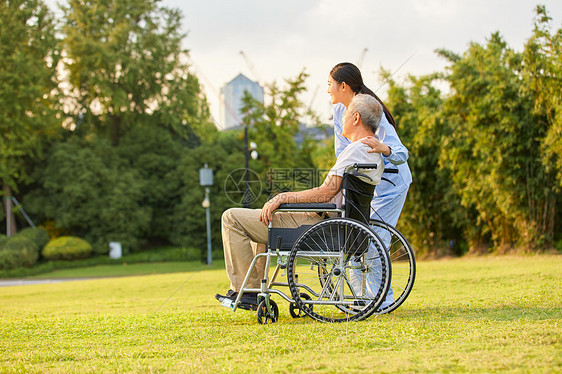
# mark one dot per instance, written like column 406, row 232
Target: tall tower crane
column 361, row 58
column 251, row 67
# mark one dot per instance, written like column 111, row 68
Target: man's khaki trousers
column 244, row 236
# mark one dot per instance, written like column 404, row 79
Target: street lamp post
column 206, row 180
column 246, row 174
column 248, row 151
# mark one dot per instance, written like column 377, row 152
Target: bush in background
column 17, row 251
column 67, row 248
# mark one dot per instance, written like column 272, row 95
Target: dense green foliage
column 133, row 112
column 83, row 180
column 542, row 71
column 427, row 219
column 482, row 154
column 67, row 248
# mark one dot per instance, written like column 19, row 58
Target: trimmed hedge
column 67, row 248
column 17, row 251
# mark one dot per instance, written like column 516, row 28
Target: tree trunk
column 10, row 219
column 115, row 130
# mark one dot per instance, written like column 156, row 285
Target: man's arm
column 323, row 194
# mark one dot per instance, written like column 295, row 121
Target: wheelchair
column 338, row 269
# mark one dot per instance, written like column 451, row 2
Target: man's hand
column 376, row 145
column 270, row 206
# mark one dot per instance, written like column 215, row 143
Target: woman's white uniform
column 389, row 198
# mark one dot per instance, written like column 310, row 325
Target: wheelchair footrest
column 229, row 303
column 245, row 306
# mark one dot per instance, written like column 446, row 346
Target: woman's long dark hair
column 350, row 74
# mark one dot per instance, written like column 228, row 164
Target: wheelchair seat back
column 358, row 195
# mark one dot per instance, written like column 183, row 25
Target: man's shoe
column 229, row 295
column 248, row 301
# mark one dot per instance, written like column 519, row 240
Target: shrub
column 38, row 235
column 18, row 251
column 3, row 238
column 67, row 248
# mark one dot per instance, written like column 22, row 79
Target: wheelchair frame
column 268, row 310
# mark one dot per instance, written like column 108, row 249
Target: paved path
column 28, row 282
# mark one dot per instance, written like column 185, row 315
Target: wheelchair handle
column 365, row 166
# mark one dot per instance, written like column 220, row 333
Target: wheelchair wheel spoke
column 403, row 264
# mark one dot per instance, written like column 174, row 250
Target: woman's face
column 335, row 90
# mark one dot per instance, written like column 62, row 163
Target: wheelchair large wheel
column 343, row 266
column 403, row 262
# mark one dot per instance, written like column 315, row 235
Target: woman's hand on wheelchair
column 270, row 206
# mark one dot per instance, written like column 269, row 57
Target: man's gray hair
column 368, row 108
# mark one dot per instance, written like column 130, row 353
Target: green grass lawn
column 485, row 314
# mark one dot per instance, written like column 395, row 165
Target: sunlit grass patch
column 468, row 315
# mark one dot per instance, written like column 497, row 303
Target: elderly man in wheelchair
column 337, row 268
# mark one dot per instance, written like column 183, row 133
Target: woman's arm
column 323, row 194
column 388, row 143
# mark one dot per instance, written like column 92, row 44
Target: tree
column 485, row 158
column 155, row 153
column 126, row 63
column 492, row 147
column 541, row 74
column 28, row 58
column 431, row 217
column 273, row 126
column 89, row 192
column 134, row 111
column 223, row 152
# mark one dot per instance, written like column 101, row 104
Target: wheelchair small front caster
column 264, row 316
column 295, row 311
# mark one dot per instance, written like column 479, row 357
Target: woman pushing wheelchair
column 344, row 83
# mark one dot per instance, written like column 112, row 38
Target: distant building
column 231, row 100
column 317, row 134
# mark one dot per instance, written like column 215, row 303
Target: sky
column 281, row 38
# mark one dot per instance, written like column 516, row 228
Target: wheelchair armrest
column 305, row 206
